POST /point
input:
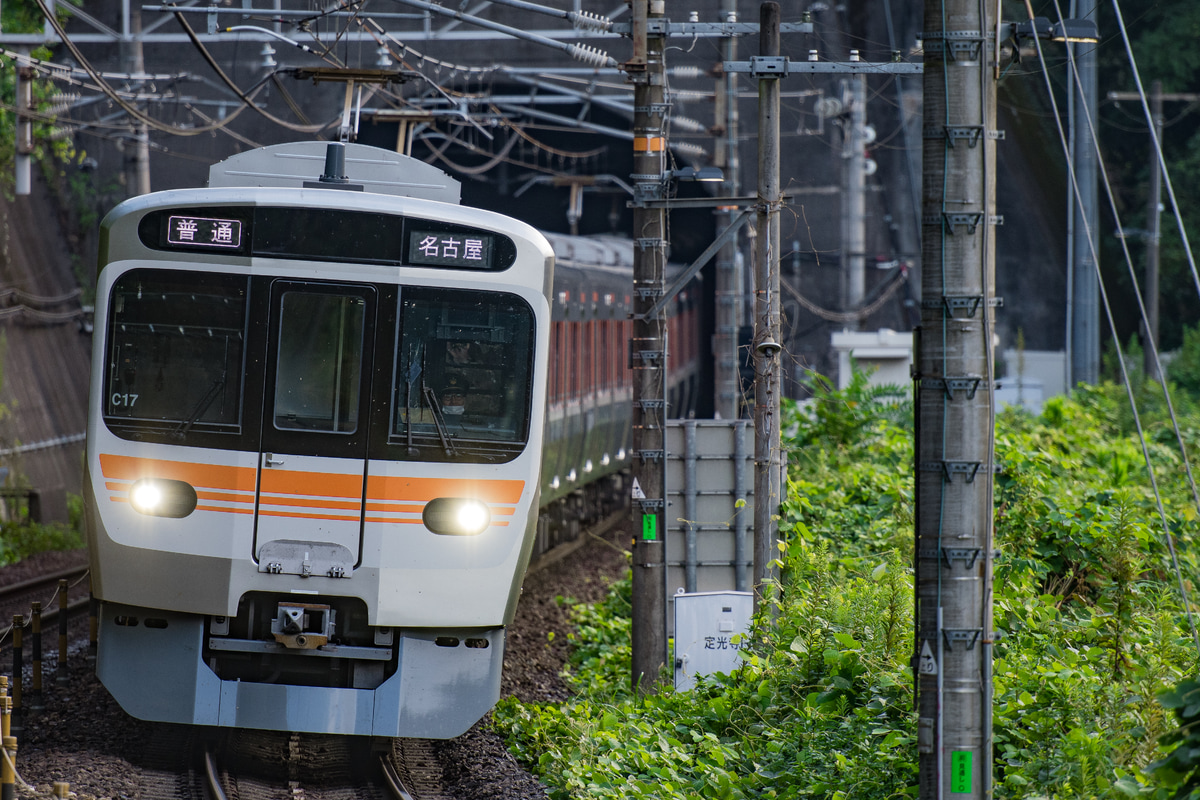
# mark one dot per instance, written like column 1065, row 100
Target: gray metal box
column 709, row 537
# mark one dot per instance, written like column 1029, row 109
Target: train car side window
column 175, row 352
column 463, row 375
column 319, row 367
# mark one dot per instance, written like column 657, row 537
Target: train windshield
column 463, row 375
column 176, row 345
column 320, row 362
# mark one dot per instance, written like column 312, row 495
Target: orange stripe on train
column 225, row 497
column 422, row 490
column 332, row 505
column 266, row 512
column 209, row 476
column 312, row 484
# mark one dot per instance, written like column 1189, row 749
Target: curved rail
column 213, row 790
column 392, row 779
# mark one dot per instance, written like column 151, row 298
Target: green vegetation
column 1085, row 599
column 21, row 538
column 51, row 148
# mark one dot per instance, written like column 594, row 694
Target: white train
column 315, row 444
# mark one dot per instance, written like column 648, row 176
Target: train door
column 313, row 450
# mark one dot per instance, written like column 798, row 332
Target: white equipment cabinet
column 706, row 625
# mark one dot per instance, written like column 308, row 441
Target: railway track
column 266, row 765
column 17, row 598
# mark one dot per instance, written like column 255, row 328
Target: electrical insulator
column 589, row 55
column 587, row 21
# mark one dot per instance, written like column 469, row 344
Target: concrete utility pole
column 649, row 346
column 767, row 350
column 955, row 390
column 854, row 204
column 729, row 277
column 137, row 154
column 24, row 154
column 1085, row 287
column 1153, row 234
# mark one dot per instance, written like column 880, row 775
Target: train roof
column 360, row 167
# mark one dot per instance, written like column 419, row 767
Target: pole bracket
column 648, row 356
column 968, row 384
column 968, row 469
column 960, row 46
column 768, row 66
column 957, row 133
column 647, row 292
column 949, row 220
column 968, row 302
column 968, row 635
column 659, row 109
column 970, row 555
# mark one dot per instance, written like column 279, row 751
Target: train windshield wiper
column 184, row 427
column 414, row 372
column 438, row 420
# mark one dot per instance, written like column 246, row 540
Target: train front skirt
column 439, row 690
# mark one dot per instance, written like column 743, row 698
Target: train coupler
column 303, row 626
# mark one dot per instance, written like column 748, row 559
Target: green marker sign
column 960, row 771
column 649, row 527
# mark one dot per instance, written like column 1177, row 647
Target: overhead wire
column 115, row 96
column 248, row 101
column 1074, row 182
column 893, row 283
column 246, row 140
column 554, row 151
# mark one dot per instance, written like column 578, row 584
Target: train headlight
column 456, row 516
column 160, row 497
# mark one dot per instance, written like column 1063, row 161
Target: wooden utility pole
column 955, row 391
column 648, row 353
column 767, row 350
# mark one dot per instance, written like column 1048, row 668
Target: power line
column 115, row 96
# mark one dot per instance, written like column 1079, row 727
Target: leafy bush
column 1086, row 604
column 21, row 539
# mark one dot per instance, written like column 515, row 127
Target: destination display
column 441, row 249
column 324, row 234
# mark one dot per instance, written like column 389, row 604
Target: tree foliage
column 23, row 16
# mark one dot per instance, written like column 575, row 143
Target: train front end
column 313, row 449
